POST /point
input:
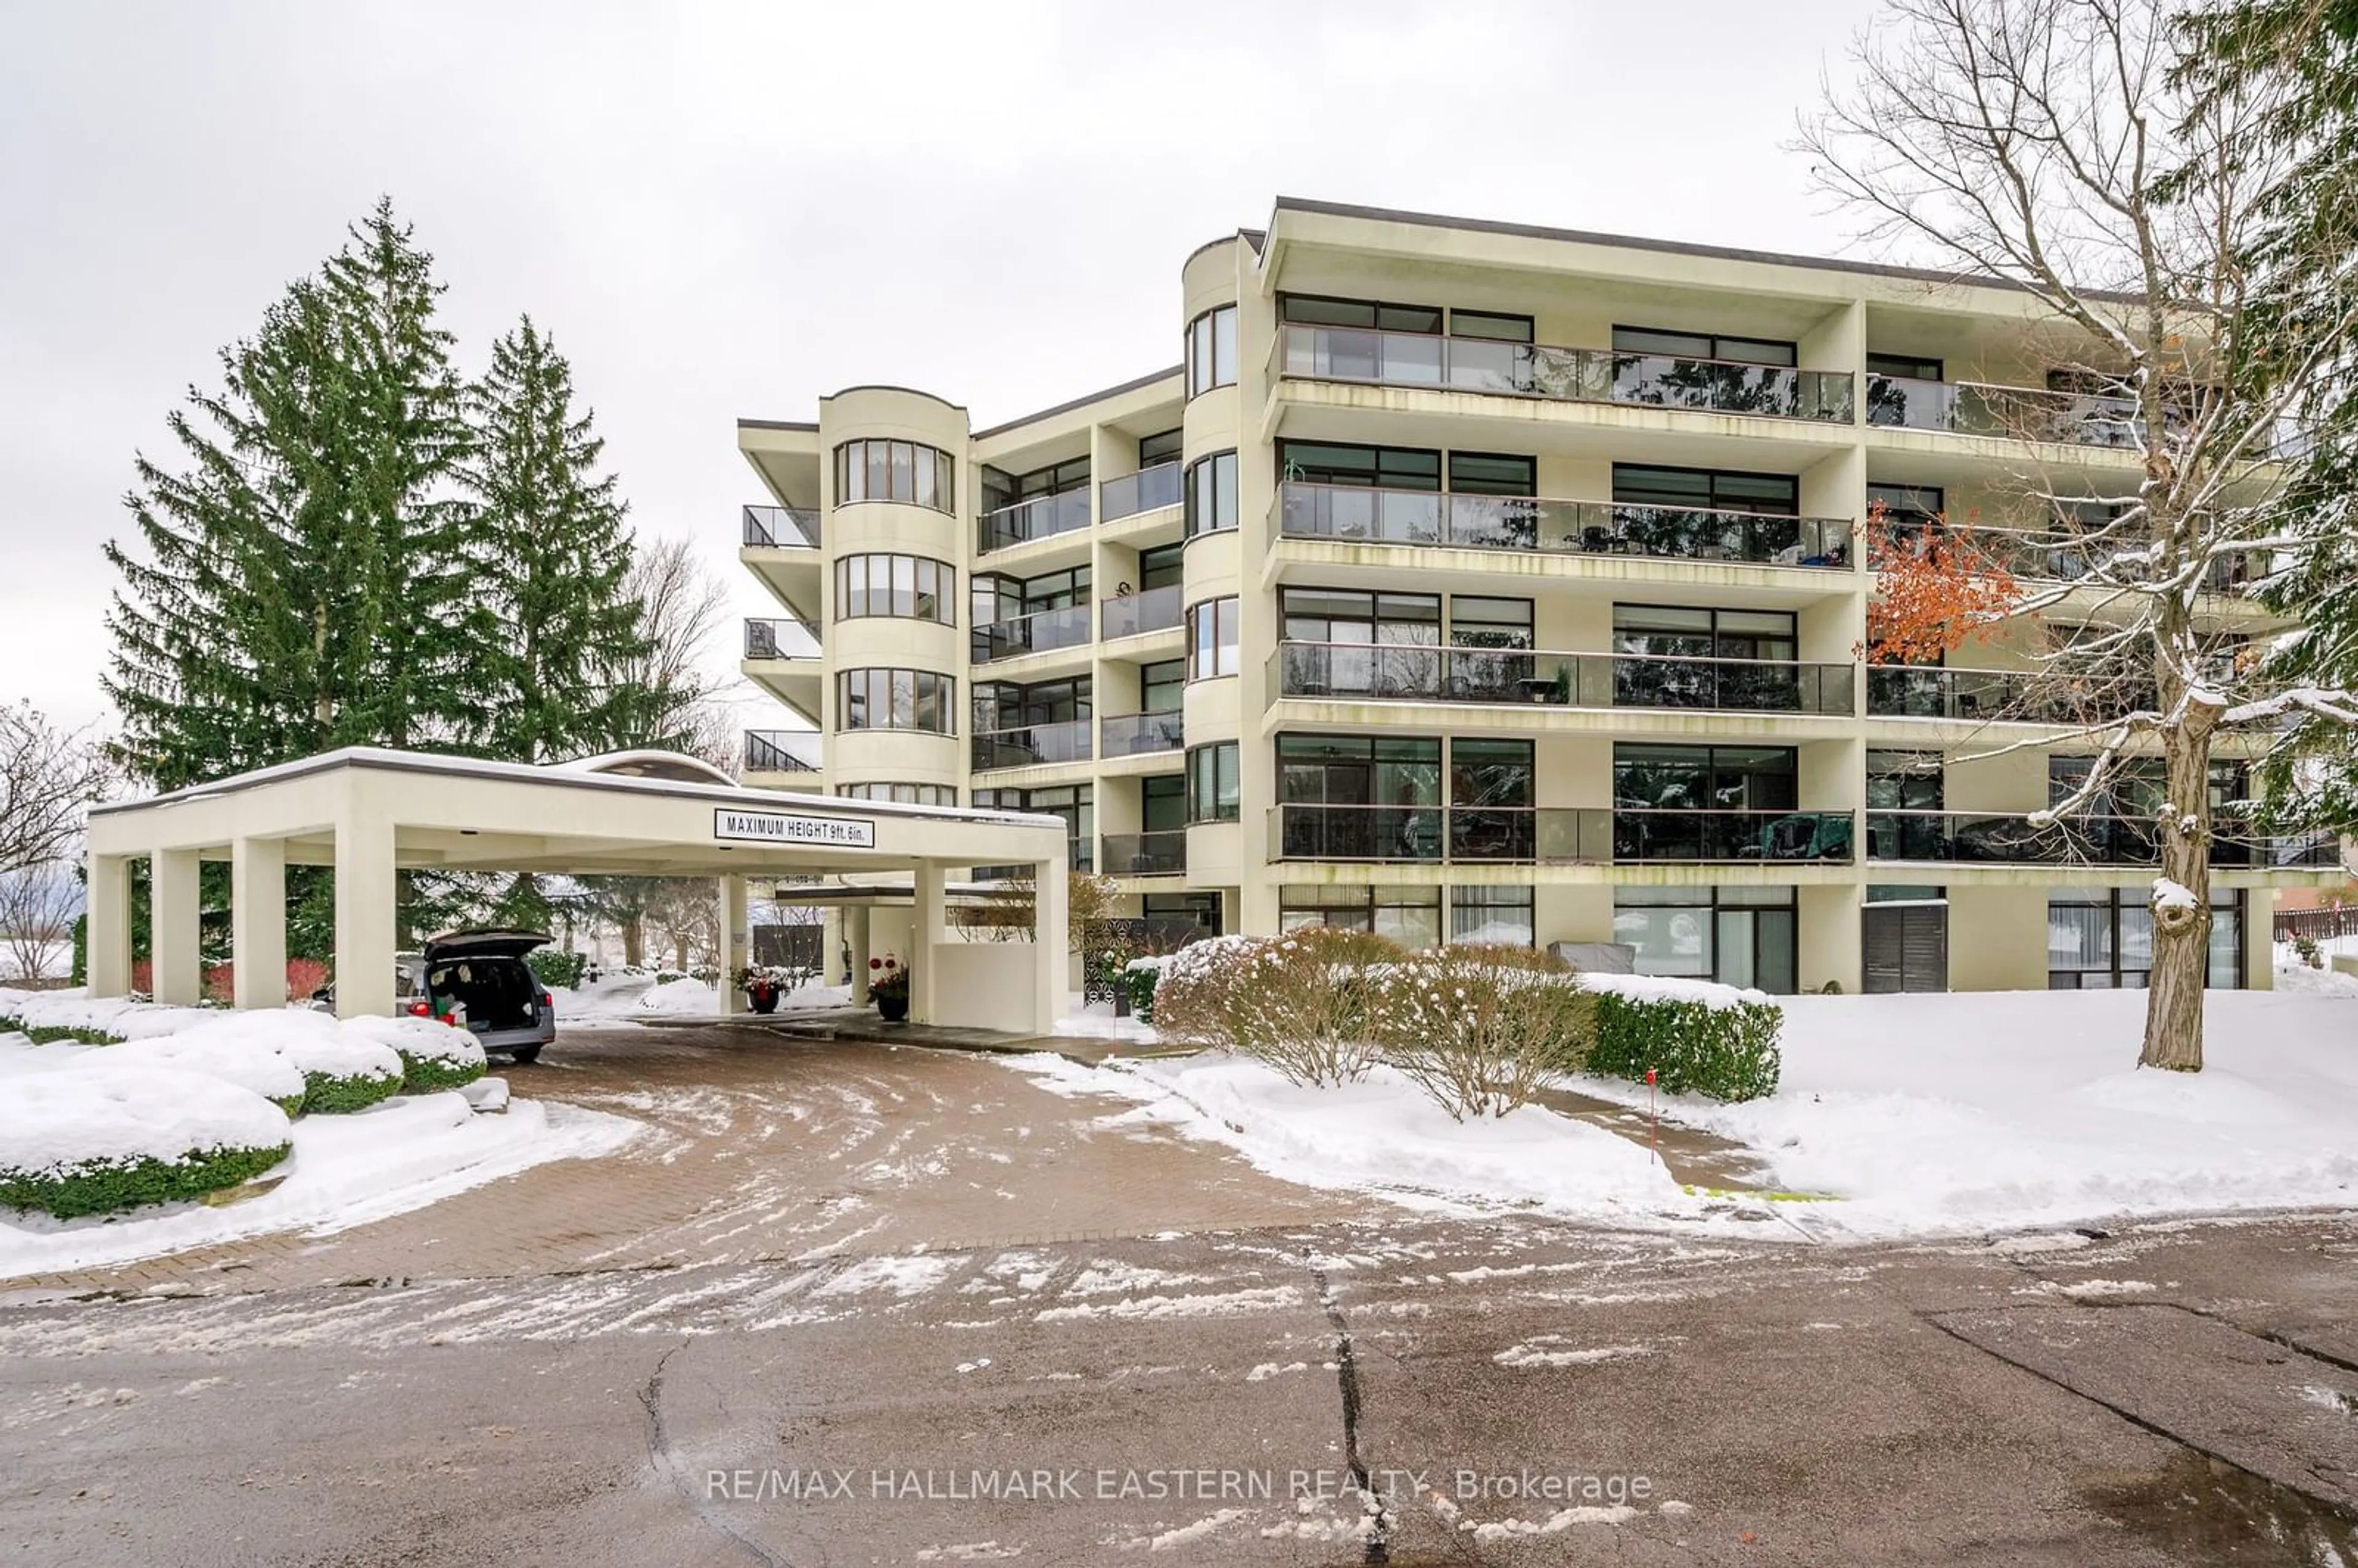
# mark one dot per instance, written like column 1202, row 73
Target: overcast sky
column 733, row 210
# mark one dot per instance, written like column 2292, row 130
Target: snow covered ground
column 1914, row 1114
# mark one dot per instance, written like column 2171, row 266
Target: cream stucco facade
column 1472, row 579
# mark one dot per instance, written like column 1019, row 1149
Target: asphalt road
column 1349, row 1389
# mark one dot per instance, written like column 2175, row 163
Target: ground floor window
column 1738, row 936
column 2101, row 939
column 1905, row 934
column 1495, row 916
column 1410, row 916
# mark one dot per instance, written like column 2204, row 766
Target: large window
column 895, row 471
column 1377, row 467
column 1001, row 489
column 1162, row 447
column 1675, row 651
column 1211, row 639
column 1315, row 310
column 1638, row 484
column 1212, row 349
column 901, row 793
column 895, row 700
column 1211, row 494
column 1736, row 935
column 1702, row 346
column 1705, row 778
column 1212, row 783
column 2101, row 939
column 1492, row 916
column 1160, row 685
column 910, row 585
column 1409, row 915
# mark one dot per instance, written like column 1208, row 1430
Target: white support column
column 736, row 944
column 1051, row 942
column 831, row 970
column 109, row 925
column 367, row 890
column 931, row 932
column 257, row 922
column 855, row 917
column 172, row 928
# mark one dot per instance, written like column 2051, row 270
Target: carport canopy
column 369, row 813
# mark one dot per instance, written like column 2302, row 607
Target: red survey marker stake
column 1653, row 1118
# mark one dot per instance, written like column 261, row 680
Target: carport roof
column 464, row 813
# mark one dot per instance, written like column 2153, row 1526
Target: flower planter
column 764, row 998
column 892, row 1009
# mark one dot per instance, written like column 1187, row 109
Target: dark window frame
column 1215, row 500
column 944, row 465
column 1214, row 793
column 846, row 595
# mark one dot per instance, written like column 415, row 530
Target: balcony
column 1041, row 517
column 1148, row 490
column 1078, row 855
column 780, row 637
column 1556, row 835
column 1362, row 672
column 779, row 528
column 1355, row 516
column 1927, row 691
column 1042, row 630
column 772, row 752
column 1155, row 609
column 1163, row 854
column 2011, row 413
column 1985, row 838
column 1559, row 374
column 1139, row 734
column 1033, row 745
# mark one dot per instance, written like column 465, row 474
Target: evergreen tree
column 559, row 556
column 303, row 584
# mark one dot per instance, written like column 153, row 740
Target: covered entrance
column 369, row 813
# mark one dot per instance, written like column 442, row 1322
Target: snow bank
column 77, row 1008
column 256, row 1065
column 313, row 1041
column 1383, row 1135
column 1670, row 987
column 345, row 1171
column 427, row 1039
column 52, row 1121
column 1931, row 1114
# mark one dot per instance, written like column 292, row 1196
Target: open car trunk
column 485, row 971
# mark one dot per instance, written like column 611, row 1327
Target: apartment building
column 1471, row 580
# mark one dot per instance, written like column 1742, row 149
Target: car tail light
column 548, row 1000
column 420, row 1010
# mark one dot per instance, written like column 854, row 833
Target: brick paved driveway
column 760, row 1148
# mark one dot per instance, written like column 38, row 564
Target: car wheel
column 525, row 1055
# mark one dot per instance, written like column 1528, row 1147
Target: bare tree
column 2044, row 143
column 681, row 607
column 48, row 779
column 37, row 906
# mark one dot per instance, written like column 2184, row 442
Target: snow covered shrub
column 1699, row 1038
column 218, row 1049
column 433, row 1054
column 1298, row 1002
column 75, row 1143
column 1138, row 979
column 551, row 968
column 50, row 1034
column 1478, row 1028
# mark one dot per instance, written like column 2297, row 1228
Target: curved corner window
column 901, row 794
column 1211, row 494
column 1212, row 349
column 895, row 471
column 895, row 700
column 1212, row 783
column 912, row 587
column 1211, row 639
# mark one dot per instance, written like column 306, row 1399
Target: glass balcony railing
column 1041, row 517
column 2053, row 554
column 2073, row 841
column 1042, row 630
column 1031, row 745
column 2018, row 413
column 1572, row 375
column 1909, row 691
column 1354, row 514
column 1148, row 490
column 774, row 752
column 1163, row 854
column 781, row 528
column 1141, row 734
column 1363, row 672
column 1153, row 609
column 780, row 637
column 1553, row 835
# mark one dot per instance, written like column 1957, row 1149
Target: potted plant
column 761, row 986
column 888, row 987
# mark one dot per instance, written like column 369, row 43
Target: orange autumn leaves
column 1934, row 587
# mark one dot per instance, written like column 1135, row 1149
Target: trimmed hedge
column 334, row 1093
column 103, row 1186
column 50, row 1034
column 1139, row 983
column 425, row 1075
column 1725, row 1053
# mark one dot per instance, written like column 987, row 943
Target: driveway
column 858, row 1305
